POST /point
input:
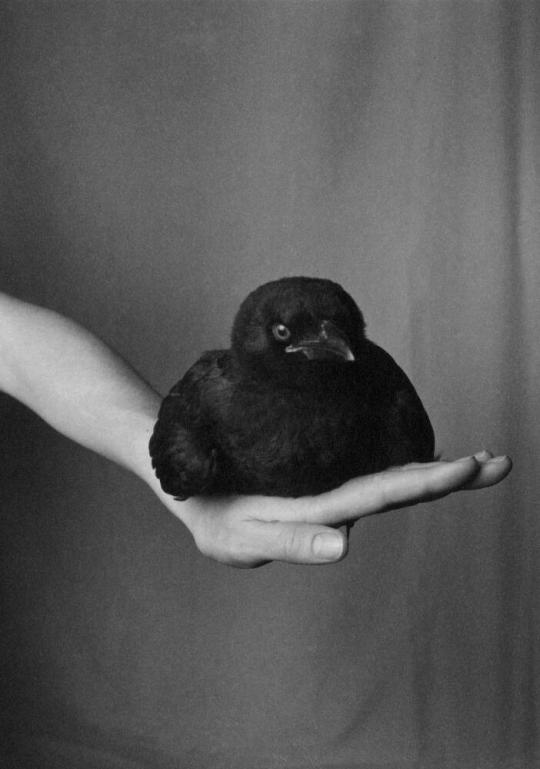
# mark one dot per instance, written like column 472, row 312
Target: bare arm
column 76, row 383
column 88, row 393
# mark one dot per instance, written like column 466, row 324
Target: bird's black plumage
column 300, row 403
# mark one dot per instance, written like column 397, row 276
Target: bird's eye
column 281, row 332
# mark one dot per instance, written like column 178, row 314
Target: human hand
column 249, row 531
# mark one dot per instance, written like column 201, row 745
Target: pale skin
column 87, row 392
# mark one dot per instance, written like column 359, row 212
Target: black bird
column 300, row 403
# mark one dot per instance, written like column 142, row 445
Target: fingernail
column 328, row 546
column 502, row 458
column 482, row 455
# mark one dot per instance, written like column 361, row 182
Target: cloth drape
column 160, row 161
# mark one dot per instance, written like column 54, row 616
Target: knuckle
column 290, row 544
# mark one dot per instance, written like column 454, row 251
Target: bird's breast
column 289, row 443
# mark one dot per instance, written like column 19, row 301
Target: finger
column 484, row 455
column 300, row 543
column 491, row 472
column 232, row 535
column 263, row 541
column 398, row 487
column 481, row 456
column 493, row 469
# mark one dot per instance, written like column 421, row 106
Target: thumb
column 298, row 542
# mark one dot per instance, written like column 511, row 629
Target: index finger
column 394, row 488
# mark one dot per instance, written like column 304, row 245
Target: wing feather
column 182, row 447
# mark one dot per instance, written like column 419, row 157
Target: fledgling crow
column 300, row 403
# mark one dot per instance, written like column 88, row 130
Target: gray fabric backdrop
column 159, row 161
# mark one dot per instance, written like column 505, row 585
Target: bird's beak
column 330, row 343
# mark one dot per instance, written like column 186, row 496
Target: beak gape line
column 330, row 343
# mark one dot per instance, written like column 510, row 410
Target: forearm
column 76, row 384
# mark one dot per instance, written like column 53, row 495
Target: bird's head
column 285, row 325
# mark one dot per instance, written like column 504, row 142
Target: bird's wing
column 405, row 426
column 182, row 448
